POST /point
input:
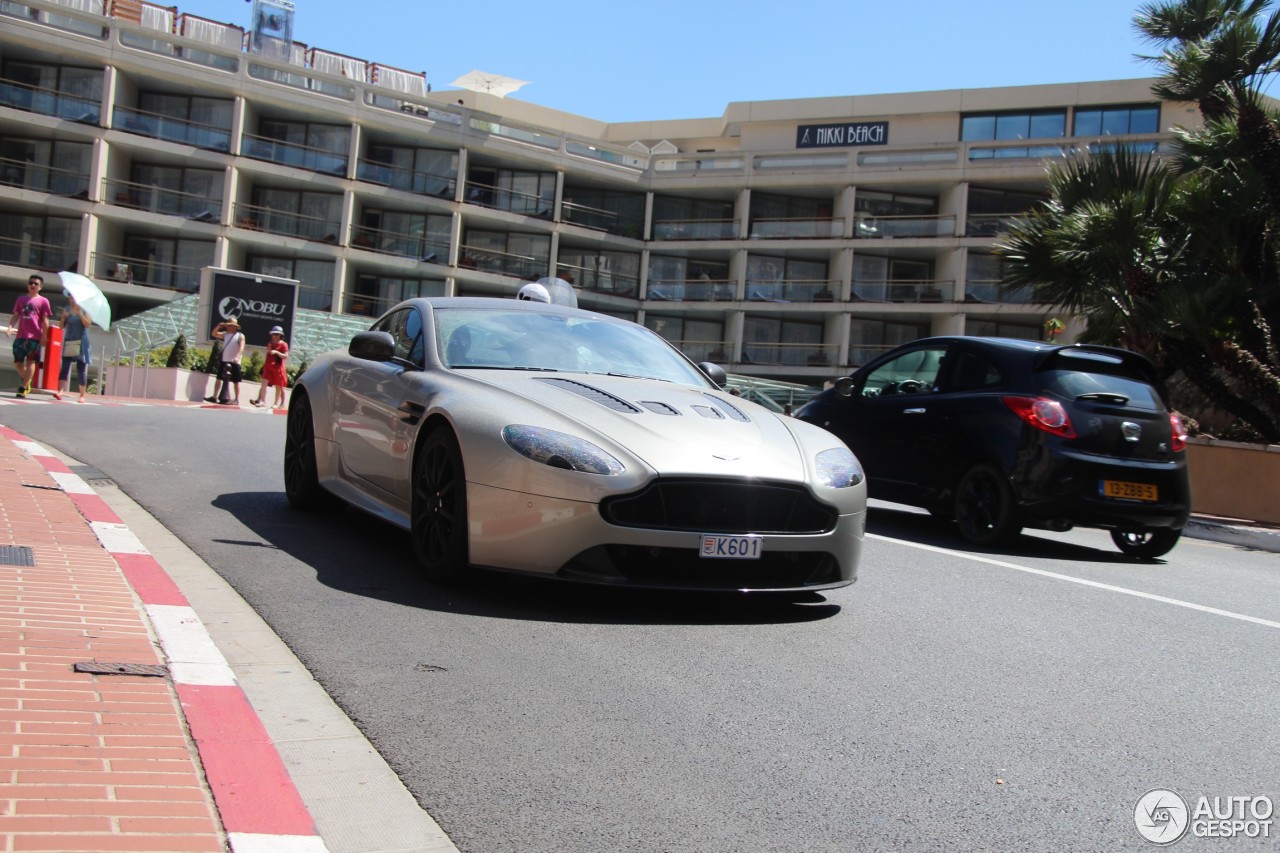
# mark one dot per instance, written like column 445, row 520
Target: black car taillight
column 1043, row 414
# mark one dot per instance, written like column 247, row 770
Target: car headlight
column 839, row 468
column 560, row 450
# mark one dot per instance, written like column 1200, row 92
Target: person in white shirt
column 229, row 333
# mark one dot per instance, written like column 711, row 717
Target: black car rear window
column 1104, row 387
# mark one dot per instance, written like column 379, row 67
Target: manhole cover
column 16, row 555
column 95, row 667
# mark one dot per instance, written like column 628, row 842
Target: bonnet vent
column 729, row 409
column 595, row 395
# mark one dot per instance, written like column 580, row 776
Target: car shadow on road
column 358, row 554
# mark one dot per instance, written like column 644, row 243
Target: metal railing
column 873, row 227
column 501, row 263
column 691, row 290
column 258, row 218
column 695, row 229
column 27, row 175
column 698, row 351
column 409, row 180
column 512, row 201
column 990, row 290
column 990, row 224
column 147, row 271
column 891, row 290
column 149, row 197
column 599, row 219
column 601, row 281
column 23, row 252
column 797, row 229
column 405, row 245
column 790, row 355
column 171, row 129
column 293, row 154
column 799, row 290
column 49, row 102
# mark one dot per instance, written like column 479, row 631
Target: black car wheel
column 985, row 511
column 439, row 514
column 301, row 480
column 1148, row 544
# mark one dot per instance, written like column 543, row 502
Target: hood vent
column 594, row 394
column 659, row 408
column 729, row 408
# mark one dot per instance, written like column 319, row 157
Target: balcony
column 23, row 252
column 790, row 355
column 49, row 102
column 608, row 221
column 405, row 245
column 157, row 126
column 695, row 229
column 879, row 227
column 148, row 272
column 598, row 281
column 990, row 224
column 27, row 175
column 987, row 290
column 488, row 260
column 292, row 154
column 257, row 218
column 691, row 290
column 802, row 290
column 512, row 201
column 797, row 229
column 156, row 199
column 889, row 290
column 408, row 180
column 699, row 351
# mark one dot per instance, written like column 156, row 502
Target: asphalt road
column 1021, row 699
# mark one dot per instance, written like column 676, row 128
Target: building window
column 989, row 127
column 1117, row 121
column 315, row 278
column 700, row 340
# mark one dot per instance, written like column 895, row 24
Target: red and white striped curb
column 260, row 807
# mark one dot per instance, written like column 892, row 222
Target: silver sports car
column 548, row 440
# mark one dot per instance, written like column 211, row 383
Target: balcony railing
column 49, row 102
column 990, row 224
column 406, row 245
column 695, row 229
column 987, row 290
column 512, row 201
column 609, row 221
column 257, row 218
column 172, row 129
column 156, row 199
column 501, row 263
column 365, row 305
column 698, row 351
column 148, row 272
column 797, row 229
column 873, row 227
column 691, row 290
column 22, row 252
column 421, row 183
column 292, row 154
column 27, row 175
column 598, row 281
column 791, row 355
column 805, row 290
column 860, row 354
column 889, row 290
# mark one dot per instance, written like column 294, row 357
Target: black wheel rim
column 434, row 501
column 299, row 447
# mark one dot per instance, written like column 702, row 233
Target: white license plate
column 718, row 547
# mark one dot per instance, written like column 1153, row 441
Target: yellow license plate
column 1130, row 491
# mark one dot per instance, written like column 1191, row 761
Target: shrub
column 178, row 356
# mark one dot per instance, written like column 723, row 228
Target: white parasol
column 87, row 295
column 491, row 84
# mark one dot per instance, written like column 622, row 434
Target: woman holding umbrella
column 75, row 347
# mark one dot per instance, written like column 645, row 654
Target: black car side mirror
column 715, row 373
column 373, row 346
column 844, row 386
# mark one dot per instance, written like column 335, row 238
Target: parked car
column 543, row 439
column 1001, row 434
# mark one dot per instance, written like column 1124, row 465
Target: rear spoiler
column 1082, row 354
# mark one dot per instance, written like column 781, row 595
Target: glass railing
column 888, row 290
column 22, row 252
column 501, row 263
column 698, row 351
column 908, row 158
column 860, row 354
column 156, row 199
column 791, row 355
column 292, row 154
column 609, row 221
column 695, row 229
column 31, row 176
column 806, row 290
column 988, row 290
column 512, row 201
column 404, row 244
column 628, row 158
column 257, row 218
column 364, row 305
column 797, row 229
column 1019, row 152
column 172, row 129
column 691, row 290
column 990, row 224
column 49, row 102
column 872, row 227
column 598, row 281
column 90, row 25
column 149, row 272
column 420, row 183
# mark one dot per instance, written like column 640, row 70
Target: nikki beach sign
column 842, row 134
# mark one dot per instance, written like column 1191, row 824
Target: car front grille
column 682, row 568
column 709, row 506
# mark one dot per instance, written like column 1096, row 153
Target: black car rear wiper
column 1104, row 397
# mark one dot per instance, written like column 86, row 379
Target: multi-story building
column 784, row 239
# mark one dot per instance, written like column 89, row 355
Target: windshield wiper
column 502, row 367
column 1105, row 397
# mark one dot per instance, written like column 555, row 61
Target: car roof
column 434, row 302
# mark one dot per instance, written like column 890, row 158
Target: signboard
column 258, row 302
column 843, row 134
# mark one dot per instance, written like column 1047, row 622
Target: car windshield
column 530, row 340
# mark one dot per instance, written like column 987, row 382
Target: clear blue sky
column 667, row 60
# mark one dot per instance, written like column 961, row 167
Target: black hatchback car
column 1001, row 434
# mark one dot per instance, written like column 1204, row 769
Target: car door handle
column 412, row 412
column 913, row 411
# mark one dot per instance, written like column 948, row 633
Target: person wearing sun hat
column 273, row 375
column 228, row 331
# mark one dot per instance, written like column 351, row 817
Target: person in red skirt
column 273, row 375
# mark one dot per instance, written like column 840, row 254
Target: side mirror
column 715, row 373
column 373, row 346
column 844, row 386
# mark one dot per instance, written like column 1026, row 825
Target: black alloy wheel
column 301, row 480
column 1146, row 544
column 985, row 511
column 439, row 512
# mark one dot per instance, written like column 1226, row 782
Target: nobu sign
column 842, row 134
column 257, row 302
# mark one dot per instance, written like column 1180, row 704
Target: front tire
column 301, row 478
column 1147, row 544
column 984, row 509
column 439, row 514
